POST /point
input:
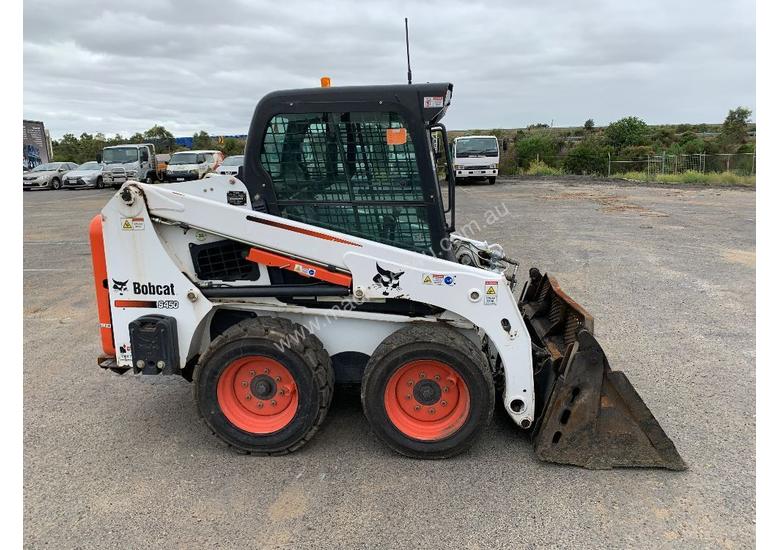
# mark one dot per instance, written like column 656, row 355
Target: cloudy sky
column 121, row 67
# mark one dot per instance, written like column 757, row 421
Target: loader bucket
column 590, row 415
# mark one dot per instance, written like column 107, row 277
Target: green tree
column 201, row 140
column 590, row 156
column 625, row 132
column 589, row 125
column 162, row 139
column 545, row 147
column 232, row 146
column 735, row 127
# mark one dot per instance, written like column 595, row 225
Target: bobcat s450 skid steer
column 332, row 258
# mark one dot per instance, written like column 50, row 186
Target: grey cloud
column 122, row 67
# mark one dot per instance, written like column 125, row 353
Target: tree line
column 586, row 150
column 86, row 147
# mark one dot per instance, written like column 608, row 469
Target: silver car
column 46, row 176
column 89, row 174
column 230, row 165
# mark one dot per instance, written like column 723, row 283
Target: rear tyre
column 492, row 181
column 427, row 392
column 258, row 399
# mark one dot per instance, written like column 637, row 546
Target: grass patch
column 692, row 176
column 539, row 168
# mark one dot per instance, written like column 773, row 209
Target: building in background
column 36, row 144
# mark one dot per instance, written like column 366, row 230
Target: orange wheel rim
column 257, row 394
column 427, row 400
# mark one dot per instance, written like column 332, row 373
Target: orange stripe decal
column 301, row 268
column 302, row 231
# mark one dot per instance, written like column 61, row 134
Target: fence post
column 753, row 166
column 663, row 163
column 648, row 166
column 609, row 164
column 728, row 162
column 703, row 162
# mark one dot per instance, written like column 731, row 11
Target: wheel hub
column 263, row 387
column 427, row 392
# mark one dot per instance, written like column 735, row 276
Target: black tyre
column 256, row 397
column 492, row 181
column 55, row 184
column 99, row 183
column 427, row 391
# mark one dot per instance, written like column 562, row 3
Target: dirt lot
column 669, row 275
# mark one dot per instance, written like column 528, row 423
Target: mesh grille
column 352, row 172
column 223, row 261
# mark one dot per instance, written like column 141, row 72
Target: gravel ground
column 667, row 272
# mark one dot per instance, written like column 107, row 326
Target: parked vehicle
column 476, row 157
column 89, row 174
column 135, row 161
column 231, row 165
column 46, row 176
column 162, row 163
column 192, row 165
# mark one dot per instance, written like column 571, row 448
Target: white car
column 192, row 165
column 476, row 157
column 230, row 165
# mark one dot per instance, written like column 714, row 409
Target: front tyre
column 264, row 386
column 55, row 184
column 428, row 392
column 492, row 181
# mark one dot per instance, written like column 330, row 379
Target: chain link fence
column 743, row 164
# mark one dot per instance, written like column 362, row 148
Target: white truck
column 132, row 161
column 476, row 157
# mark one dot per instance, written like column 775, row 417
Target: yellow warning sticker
column 491, row 293
column 427, row 279
column 132, row 224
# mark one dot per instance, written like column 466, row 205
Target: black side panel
column 154, row 343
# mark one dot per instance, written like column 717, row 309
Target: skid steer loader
column 332, row 258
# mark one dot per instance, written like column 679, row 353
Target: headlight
column 494, row 165
column 458, row 167
column 194, row 171
column 131, row 173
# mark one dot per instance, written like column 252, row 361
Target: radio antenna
column 408, row 63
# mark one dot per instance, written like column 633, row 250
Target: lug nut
column 251, row 373
column 266, row 370
column 278, row 378
column 248, row 397
column 443, row 403
column 436, row 377
column 417, row 407
column 245, row 383
column 410, row 382
column 432, row 410
column 422, row 374
column 259, row 404
column 408, row 396
column 273, row 402
column 445, row 389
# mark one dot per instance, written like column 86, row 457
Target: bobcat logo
column 121, row 286
column 387, row 279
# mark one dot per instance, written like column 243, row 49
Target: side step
column 591, row 415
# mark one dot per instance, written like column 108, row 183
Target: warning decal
column 491, row 293
column 438, row 279
column 132, row 224
column 427, row 279
column 430, row 102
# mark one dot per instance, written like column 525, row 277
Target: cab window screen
column 351, row 172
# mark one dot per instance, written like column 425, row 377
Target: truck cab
column 133, row 161
column 476, row 157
